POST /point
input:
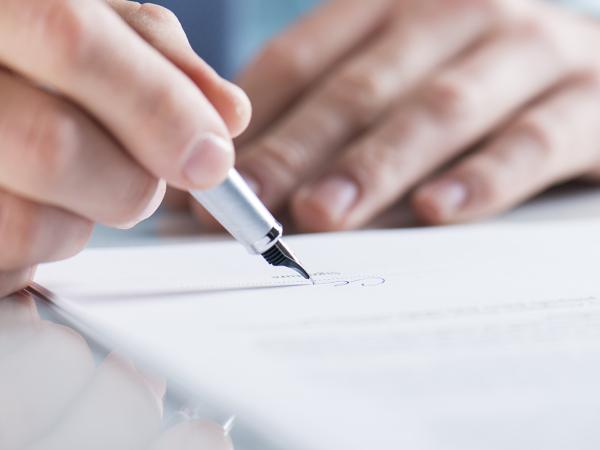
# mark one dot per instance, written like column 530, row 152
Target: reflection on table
column 57, row 395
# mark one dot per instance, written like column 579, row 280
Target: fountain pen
column 235, row 206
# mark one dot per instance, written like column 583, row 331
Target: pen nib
column 281, row 256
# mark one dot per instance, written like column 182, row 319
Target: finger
column 117, row 397
column 459, row 106
column 193, row 435
column 356, row 95
column 31, row 233
column 39, row 381
column 305, row 52
column 555, row 140
column 161, row 29
column 150, row 106
column 52, row 153
column 15, row 280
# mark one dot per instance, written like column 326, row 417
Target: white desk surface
column 568, row 203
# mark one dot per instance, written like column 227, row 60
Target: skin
column 465, row 108
column 94, row 125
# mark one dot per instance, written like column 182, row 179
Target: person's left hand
column 467, row 107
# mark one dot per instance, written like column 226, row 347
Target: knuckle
column 489, row 189
column 487, row 193
column 364, row 83
column 359, row 95
column 285, row 157
column 592, row 79
column 376, row 164
column 50, row 145
column 588, row 82
column 291, row 59
column 158, row 14
column 369, row 175
column 449, row 99
column 67, row 25
column 543, row 36
column 534, row 130
column 162, row 108
column 533, row 28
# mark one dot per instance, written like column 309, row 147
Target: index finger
column 162, row 29
column 145, row 101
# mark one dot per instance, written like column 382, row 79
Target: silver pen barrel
column 235, row 206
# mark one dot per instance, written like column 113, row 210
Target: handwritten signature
column 314, row 275
column 336, row 279
column 363, row 282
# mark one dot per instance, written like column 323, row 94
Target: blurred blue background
column 226, row 33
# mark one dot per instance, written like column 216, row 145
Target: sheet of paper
column 457, row 338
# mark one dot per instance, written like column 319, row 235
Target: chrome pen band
column 235, row 206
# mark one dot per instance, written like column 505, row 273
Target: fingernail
column 334, row 196
column 446, row 198
column 208, row 161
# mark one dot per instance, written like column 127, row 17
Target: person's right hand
column 103, row 104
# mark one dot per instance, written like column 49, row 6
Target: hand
column 465, row 107
column 60, row 400
column 102, row 104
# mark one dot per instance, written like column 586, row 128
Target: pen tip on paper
column 281, row 256
column 295, row 265
column 301, row 270
column 228, row 426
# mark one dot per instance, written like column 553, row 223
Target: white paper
column 457, row 338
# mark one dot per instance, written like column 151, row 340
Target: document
column 469, row 337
